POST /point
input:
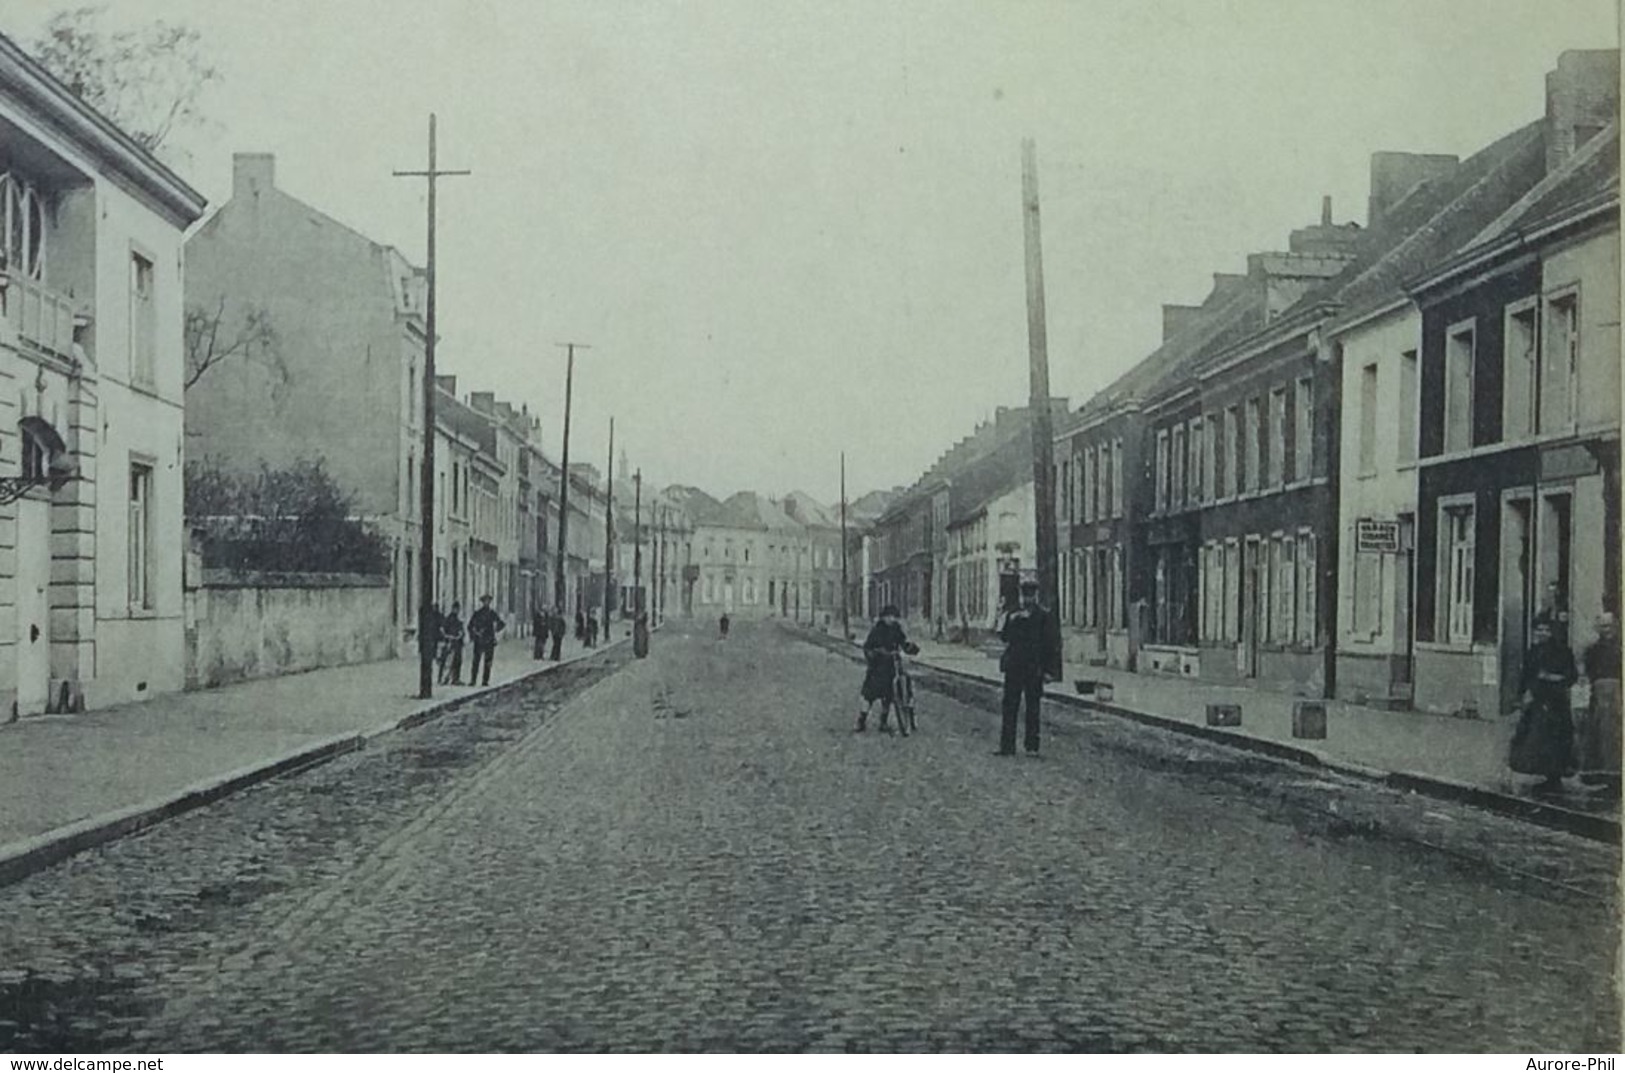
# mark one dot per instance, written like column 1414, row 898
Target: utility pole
column 637, row 543
column 1038, row 384
column 564, row 478
column 609, row 537
column 663, row 560
column 846, row 597
column 427, row 625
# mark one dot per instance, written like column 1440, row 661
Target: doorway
column 33, row 605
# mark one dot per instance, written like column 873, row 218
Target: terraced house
column 1518, row 402
column 92, row 369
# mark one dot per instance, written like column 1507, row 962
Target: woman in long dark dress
column 880, row 650
column 1543, row 744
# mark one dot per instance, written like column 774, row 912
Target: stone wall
column 243, row 625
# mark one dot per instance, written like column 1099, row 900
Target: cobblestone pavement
column 696, row 852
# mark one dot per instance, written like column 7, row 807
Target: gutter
column 1516, row 241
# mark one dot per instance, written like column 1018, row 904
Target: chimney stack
column 252, row 174
column 1582, row 97
column 1326, row 211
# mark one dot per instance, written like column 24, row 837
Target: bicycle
column 902, row 696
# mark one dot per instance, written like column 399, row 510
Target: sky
column 791, row 230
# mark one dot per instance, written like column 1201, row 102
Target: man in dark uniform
column 1032, row 652
column 483, row 626
column 558, row 631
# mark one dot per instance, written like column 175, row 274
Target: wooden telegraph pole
column 609, row 537
column 427, row 625
column 564, row 480
column 1038, row 385
column 846, row 596
column 637, row 544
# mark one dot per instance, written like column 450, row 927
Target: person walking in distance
column 483, row 627
column 538, row 629
column 558, row 632
column 1032, row 653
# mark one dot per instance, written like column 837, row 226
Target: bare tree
column 209, row 343
column 148, row 79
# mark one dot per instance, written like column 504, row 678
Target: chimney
column 1582, row 97
column 1393, row 175
column 1326, row 211
column 448, row 384
column 252, row 173
column 483, row 401
column 1176, row 319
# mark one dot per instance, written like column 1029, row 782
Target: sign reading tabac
column 1371, row 534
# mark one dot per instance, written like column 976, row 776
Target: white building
column 91, row 373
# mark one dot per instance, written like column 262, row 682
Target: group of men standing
column 483, row 627
column 548, row 623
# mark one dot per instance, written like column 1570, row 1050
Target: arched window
column 22, row 227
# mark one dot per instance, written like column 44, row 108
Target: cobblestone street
column 696, row 852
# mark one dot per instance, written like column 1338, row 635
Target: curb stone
column 23, row 858
column 1585, row 824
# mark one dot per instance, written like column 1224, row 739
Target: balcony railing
column 39, row 315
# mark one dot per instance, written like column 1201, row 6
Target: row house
column 92, row 373
column 912, row 543
column 1435, row 205
column 1357, row 470
column 348, row 317
column 901, row 552
column 461, row 436
column 861, row 516
column 1518, row 389
column 990, row 527
column 816, row 587
column 1245, row 533
column 1098, row 454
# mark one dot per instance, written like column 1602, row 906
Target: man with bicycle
column 881, row 651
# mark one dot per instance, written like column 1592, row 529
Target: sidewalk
column 1446, row 756
column 68, row 777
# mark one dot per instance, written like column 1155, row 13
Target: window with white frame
column 1105, row 481
column 1176, row 494
column 22, row 227
column 1251, row 471
column 1286, row 589
column 1116, row 615
column 1458, row 388
column 140, row 564
column 1303, row 441
column 1117, row 478
column 1277, row 438
column 1407, row 406
column 1308, row 585
column 1456, row 565
column 1213, row 465
column 1088, row 477
column 143, row 322
column 1161, row 488
column 1232, row 590
column 1559, row 374
column 1197, row 476
column 1519, row 362
column 1232, row 456
column 1368, row 421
